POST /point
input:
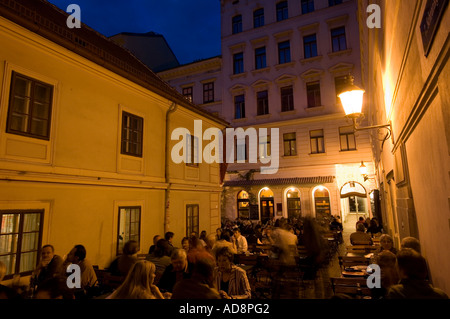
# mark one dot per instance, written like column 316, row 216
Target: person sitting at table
column 386, row 260
column 239, row 241
column 161, row 257
column 411, row 242
column 201, row 283
column 153, row 247
column 139, row 283
column 386, row 244
column 412, row 270
column 360, row 237
column 122, row 264
column 77, row 256
column 225, row 240
column 374, row 228
column 230, row 280
column 179, row 269
column 50, row 265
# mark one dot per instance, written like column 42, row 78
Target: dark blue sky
column 192, row 28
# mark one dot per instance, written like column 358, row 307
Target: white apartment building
column 282, row 65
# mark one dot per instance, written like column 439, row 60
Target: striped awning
column 281, row 181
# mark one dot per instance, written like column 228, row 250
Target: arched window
column 321, row 202
column 243, row 205
column 266, row 204
column 294, row 209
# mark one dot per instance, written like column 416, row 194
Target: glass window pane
column 18, row 122
column 42, row 93
column 30, row 241
column 9, row 261
column 21, row 105
column 10, row 223
column 351, row 142
column 22, row 86
column 39, row 127
column 8, row 244
column 31, row 222
column 28, row 261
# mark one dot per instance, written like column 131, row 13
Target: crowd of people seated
column 203, row 267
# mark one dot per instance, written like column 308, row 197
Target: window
column 310, row 46
column 282, row 10
column 132, row 134
column 294, row 207
column 192, row 147
column 187, row 93
column 287, row 99
column 262, row 100
column 284, row 52
column 208, row 92
column 289, row 141
column 307, row 6
column 236, row 24
column 129, row 226
column 338, row 39
column 30, row 106
column 340, row 83
column 241, row 150
column 258, row 18
column 192, row 219
column 334, row 2
column 347, row 138
column 239, row 107
column 238, row 63
column 260, row 58
column 243, row 204
column 264, row 147
column 313, row 94
column 317, row 141
column 20, row 240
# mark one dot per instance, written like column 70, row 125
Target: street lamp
column 352, row 101
column 363, row 171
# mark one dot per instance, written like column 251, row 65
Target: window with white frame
column 129, row 226
column 20, row 240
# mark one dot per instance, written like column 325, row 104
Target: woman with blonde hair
column 139, row 283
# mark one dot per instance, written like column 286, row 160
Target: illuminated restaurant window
column 30, row 106
column 243, row 205
column 129, row 226
column 20, row 240
column 294, row 208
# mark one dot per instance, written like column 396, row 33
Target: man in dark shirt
column 179, row 269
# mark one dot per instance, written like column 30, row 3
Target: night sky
column 191, row 28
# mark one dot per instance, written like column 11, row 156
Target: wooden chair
column 353, row 287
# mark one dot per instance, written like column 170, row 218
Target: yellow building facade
column 85, row 145
column 407, row 84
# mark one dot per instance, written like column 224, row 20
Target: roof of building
column 48, row 21
column 281, row 181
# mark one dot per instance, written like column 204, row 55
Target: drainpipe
column 171, row 109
